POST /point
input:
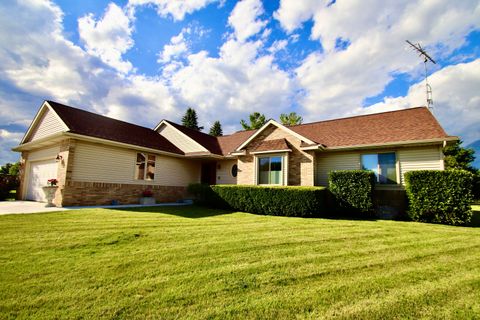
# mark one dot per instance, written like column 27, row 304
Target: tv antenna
column 417, row 47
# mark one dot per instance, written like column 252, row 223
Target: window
column 234, row 170
column 383, row 165
column 145, row 167
column 270, row 170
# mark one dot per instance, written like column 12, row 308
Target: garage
column 40, row 172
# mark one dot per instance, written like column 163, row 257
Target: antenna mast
column 426, row 58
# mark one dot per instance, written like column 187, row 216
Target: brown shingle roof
column 272, row 145
column 412, row 124
column 231, row 142
column 94, row 125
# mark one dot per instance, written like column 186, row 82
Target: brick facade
column 301, row 164
column 77, row 193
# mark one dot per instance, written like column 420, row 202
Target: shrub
column 278, row 201
column 352, row 190
column 440, row 196
column 7, row 183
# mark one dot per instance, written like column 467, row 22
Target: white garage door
column 40, row 172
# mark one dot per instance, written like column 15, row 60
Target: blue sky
column 145, row 60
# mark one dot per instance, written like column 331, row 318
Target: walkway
column 21, row 207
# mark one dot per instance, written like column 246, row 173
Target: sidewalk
column 22, row 207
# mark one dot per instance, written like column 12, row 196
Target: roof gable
column 272, row 122
column 188, row 140
column 45, row 123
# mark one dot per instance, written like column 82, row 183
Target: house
column 97, row 159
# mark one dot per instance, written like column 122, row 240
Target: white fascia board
column 37, row 118
column 271, row 151
column 278, row 125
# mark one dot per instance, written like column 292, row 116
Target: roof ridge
column 98, row 115
column 358, row 116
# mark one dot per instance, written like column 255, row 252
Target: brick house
column 97, row 159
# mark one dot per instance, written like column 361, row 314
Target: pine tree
column 216, row 129
column 190, row 120
column 257, row 120
column 290, row 119
column 457, row 157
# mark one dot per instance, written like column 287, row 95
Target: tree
column 190, row 120
column 457, row 157
column 257, row 120
column 290, row 119
column 10, row 168
column 216, row 129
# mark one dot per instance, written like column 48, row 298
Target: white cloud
column 278, row 45
column 175, row 8
column 244, row 19
column 177, row 47
column 456, row 100
column 293, row 13
column 109, row 37
column 337, row 80
column 233, row 85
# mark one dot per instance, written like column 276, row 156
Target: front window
column 270, row 170
column 383, row 165
column 145, row 167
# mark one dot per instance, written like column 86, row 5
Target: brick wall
column 301, row 164
column 77, row 193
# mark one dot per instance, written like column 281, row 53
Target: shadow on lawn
column 475, row 222
column 191, row 211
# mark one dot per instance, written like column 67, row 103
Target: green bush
column 7, row 184
column 278, row 201
column 440, row 196
column 352, row 191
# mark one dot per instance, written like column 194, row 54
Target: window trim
column 145, row 172
column 284, row 175
column 397, row 166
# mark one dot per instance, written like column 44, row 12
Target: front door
column 209, row 172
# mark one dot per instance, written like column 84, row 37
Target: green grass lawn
column 190, row 262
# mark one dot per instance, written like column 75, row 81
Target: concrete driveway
column 19, row 207
column 16, row 207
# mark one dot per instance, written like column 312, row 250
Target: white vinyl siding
column 327, row 162
column 181, row 141
column 99, row 163
column 428, row 158
column 408, row 159
column 49, row 124
column 224, row 172
column 43, row 154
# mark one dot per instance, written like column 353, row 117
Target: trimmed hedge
column 352, row 190
column 276, row 201
column 440, row 196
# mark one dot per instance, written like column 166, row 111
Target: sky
column 142, row 61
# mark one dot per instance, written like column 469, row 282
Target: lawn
column 190, row 262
